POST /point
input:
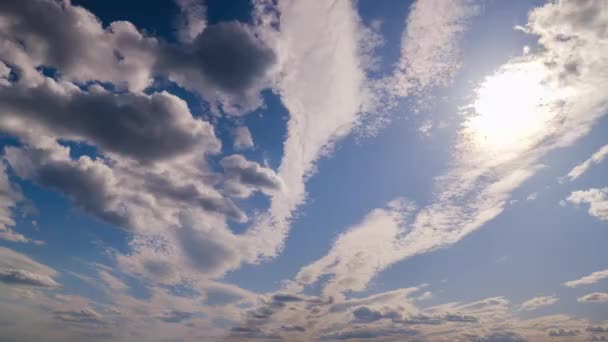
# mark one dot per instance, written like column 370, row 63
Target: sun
column 512, row 109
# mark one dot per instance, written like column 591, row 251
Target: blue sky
column 188, row 170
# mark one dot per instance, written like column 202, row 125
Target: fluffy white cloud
column 597, row 199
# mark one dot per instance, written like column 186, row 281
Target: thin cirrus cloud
column 583, row 167
column 108, row 115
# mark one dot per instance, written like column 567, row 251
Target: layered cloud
column 17, row 269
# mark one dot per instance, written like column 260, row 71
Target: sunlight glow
column 512, row 109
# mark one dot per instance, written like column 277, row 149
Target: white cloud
column 484, row 173
column 597, row 199
column 430, row 43
column 587, row 280
column 322, row 88
column 595, row 159
column 538, row 302
column 596, row 297
column 242, row 138
column 192, row 20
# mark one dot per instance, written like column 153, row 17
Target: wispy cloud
column 588, row 280
column 595, row 159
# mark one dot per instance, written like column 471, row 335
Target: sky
column 296, row 170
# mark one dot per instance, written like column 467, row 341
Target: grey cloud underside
column 143, row 127
column 226, row 62
column 227, row 54
column 26, row 278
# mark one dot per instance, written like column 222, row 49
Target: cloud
column 430, row 43
column 244, row 176
column 597, row 199
column 537, row 302
column 587, row 280
column 596, row 297
column 142, row 127
column 242, row 138
column 26, row 278
column 321, row 85
column 484, row 173
column 71, row 39
column 175, row 316
column 192, row 19
column 10, row 196
column 229, row 58
column 563, row 332
column 500, row 336
column 20, row 270
column 86, row 315
column 597, row 329
column 595, row 159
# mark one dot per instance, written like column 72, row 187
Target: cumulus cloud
column 139, row 126
column 537, row 302
column 596, row 297
column 595, row 159
column 587, row 280
column 244, row 176
column 20, row 270
column 597, row 199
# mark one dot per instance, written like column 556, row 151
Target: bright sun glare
column 511, row 111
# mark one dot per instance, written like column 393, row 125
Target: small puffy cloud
column 597, row 199
column 596, row 297
column 595, row 159
column 537, row 302
column 242, row 138
column 587, row 280
column 244, row 177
